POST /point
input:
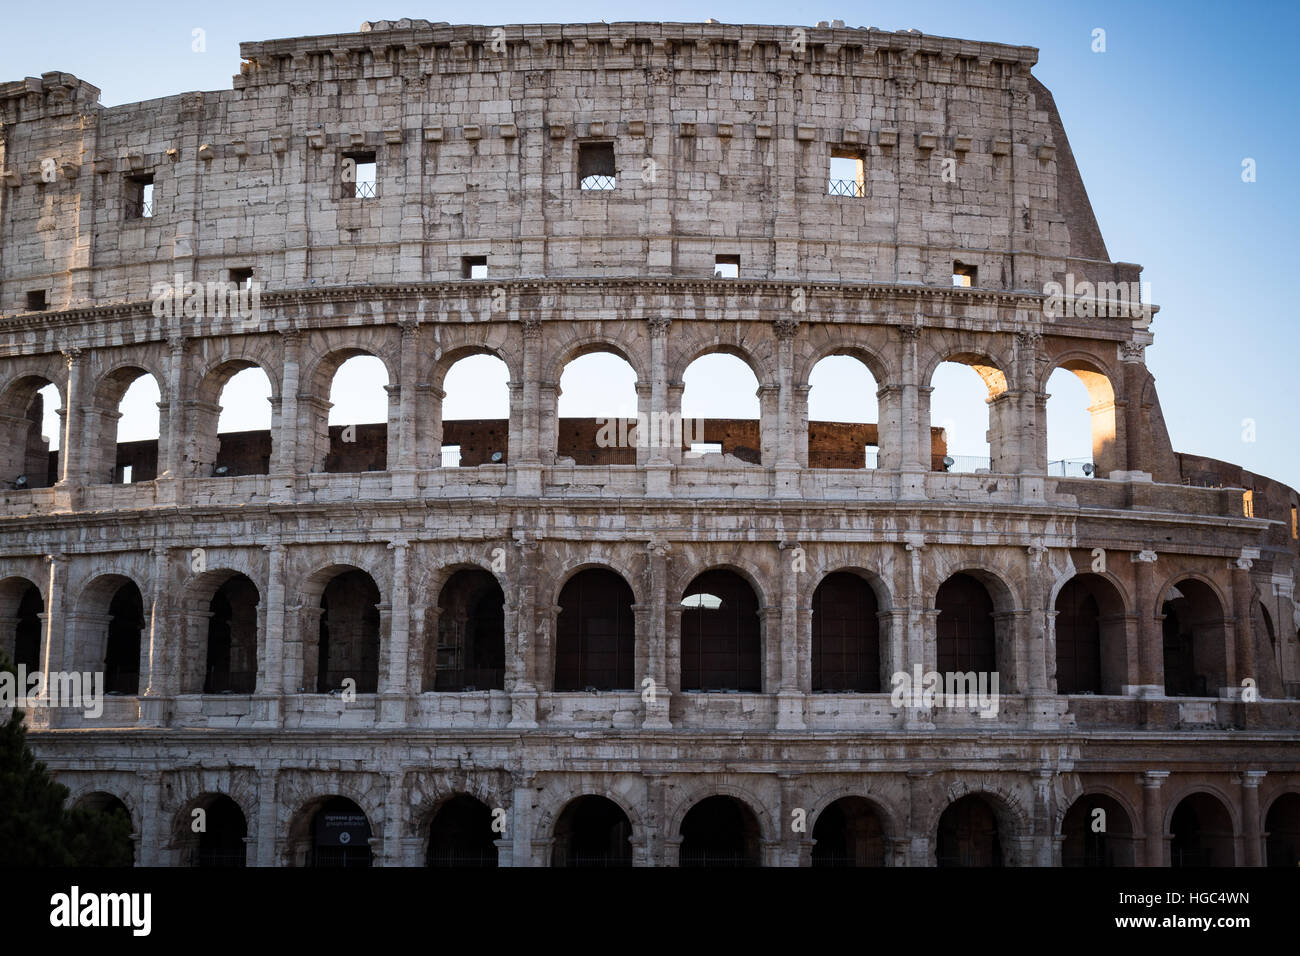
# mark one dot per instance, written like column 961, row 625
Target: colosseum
column 535, row 640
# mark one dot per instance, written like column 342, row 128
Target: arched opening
column 597, row 411
column 476, row 413
column 592, row 831
column 126, row 622
column 1097, row 831
column 1082, row 438
column 243, row 426
column 965, row 632
column 1202, row 833
column 1282, row 831
column 467, row 651
column 461, row 834
column 1269, row 682
column 232, row 638
column 128, row 436
column 595, row 642
column 123, row 851
column 21, row 611
column 721, row 645
column 843, row 414
column 849, row 833
column 1091, row 656
column 31, row 419
column 220, row 838
column 968, row 834
column 348, row 647
column 721, row 831
column 1194, row 640
column 358, row 416
column 331, row 832
column 721, row 413
column 845, row 635
column 968, row 402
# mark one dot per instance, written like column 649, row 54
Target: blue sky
column 1159, row 124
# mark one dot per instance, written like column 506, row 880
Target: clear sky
column 1159, row 123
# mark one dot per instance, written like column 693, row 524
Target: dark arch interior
column 965, row 628
column 349, row 634
column 221, row 842
column 122, row 654
column 1097, row 832
column 1283, row 828
column 845, row 635
column 721, row 642
column 1202, row 833
column 232, row 638
column 968, row 834
column 1091, row 656
column 340, row 835
column 27, row 632
column 595, row 641
column 720, row 831
column 1194, row 653
column 101, row 802
column 592, row 831
column 848, row 833
column 470, row 649
column 461, row 834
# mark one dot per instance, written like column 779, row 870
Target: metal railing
column 139, row 209
column 967, row 464
column 846, row 187
column 1072, row 468
column 597, row 182
column 366, row 191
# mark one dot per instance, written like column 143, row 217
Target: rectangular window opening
column 726, row 267
column 699, row 448
column 963, row 276
column 1248, row 504
column 847, row 173
column 242, row 277
column 1295, row 522
column 473, row 267
column 126, row 474
column 139, row 196
column 451, row 456
column 596, row 166
column 873, row 456
column 36, row 300
column 359, row 173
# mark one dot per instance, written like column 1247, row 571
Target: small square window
column 726, row 267
column 847, row 173
column 451, row 456
column 36, row 300
column 139, row 196
column 126, row 474
column 473, row 267
column 596, row 166
column 964, row 276
column 1248, row 504
column 359, row 173
column 242, row 277
column 1295, row 522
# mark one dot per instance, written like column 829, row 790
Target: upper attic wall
column 722, row 137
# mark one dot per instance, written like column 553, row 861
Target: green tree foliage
column 35, row 829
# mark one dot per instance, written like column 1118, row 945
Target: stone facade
column 722, row 137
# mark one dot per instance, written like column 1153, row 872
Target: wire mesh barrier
column 1072, row 468
column 845, row 187
column 598, row 182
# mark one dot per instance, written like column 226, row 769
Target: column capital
column 1154, row 779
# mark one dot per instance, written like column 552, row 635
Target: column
column 72, row 448
column 266, row 831
column 153, row 657
column 1153, row 812
column 270, row 688
column 405, row 466
column 1244, row 631
column 528, row 466
column 795, row 847
column 152, row 831
column 171, row 419
column 913, row 419
column 656, row 792
column 1151, row 649
column 1252, row 826
column 656, row 636
column 787, row 453
column 393, row 807
column 394, row 656
column 285, row 465
column 789, row 698
column 523, row 698
column 918, row 823
column 521, row 836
